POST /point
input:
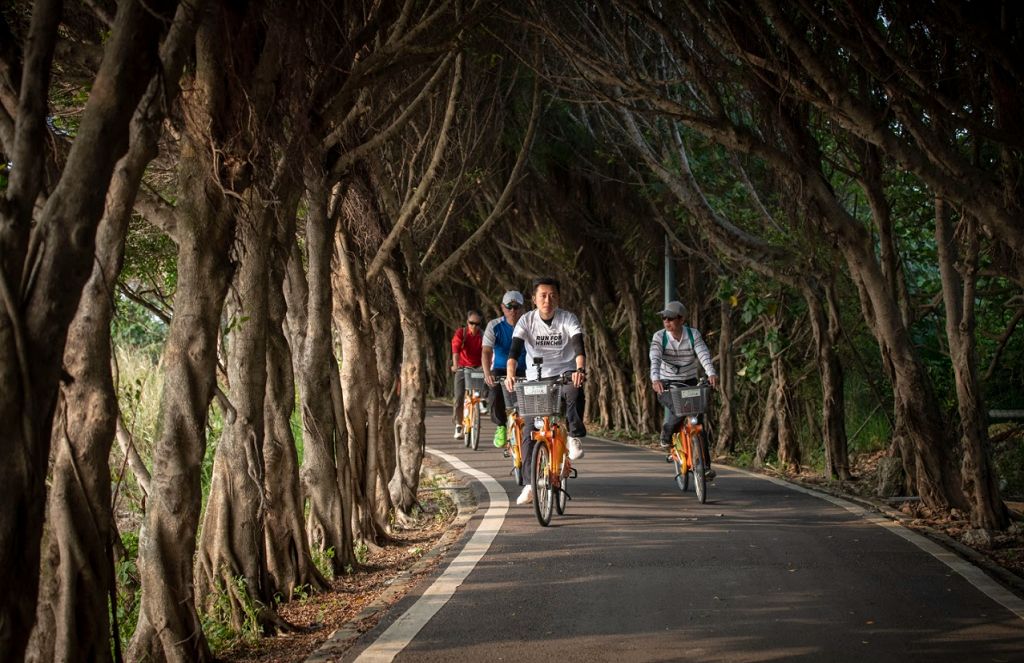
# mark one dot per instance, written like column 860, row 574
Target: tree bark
column 825, row 327
column 43, row 271
column 169, row 628
column 232, row 542
column 325, row 452
column 289, row 561
column 725, row 430
column 959, row 277
column 410, row 429
column 360, row 383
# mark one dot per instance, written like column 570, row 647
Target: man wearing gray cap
column 497, row 340
column 675, row 353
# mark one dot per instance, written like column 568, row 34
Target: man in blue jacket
column 494, row 355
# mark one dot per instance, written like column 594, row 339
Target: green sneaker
column 500, row 437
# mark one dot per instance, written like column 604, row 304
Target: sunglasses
column 473, row 323
column 513, row 306
column 667, row 319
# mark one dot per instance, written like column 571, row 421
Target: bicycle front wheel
column 516, row 451
column 700, row 483
column 543, row 499
column 474, row 428
column 682, row 473
column 467, row 420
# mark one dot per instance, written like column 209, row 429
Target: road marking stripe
column 971, row 573
column 398, row 636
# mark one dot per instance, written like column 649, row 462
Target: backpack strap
column 664, row 339
column 689, row 332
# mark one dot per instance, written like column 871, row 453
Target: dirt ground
column 317, row 616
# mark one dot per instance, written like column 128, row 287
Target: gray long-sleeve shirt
column 677, row 360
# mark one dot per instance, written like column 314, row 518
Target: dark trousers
column 575, row 402
column 460, row 392
column 497, row 397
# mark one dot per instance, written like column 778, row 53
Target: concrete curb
column 466, row 506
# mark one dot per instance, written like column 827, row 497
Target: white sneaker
column 526, row 496
column 458, row 432
column 575, row 448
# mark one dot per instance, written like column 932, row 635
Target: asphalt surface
column 638, row 571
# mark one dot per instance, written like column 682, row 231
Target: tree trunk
column 232, row 542
column 169, row 628
column 360, row 383
column 57, row 254
column 825, row 327
column 325, row 455
column 789, row 447
column 410, row 430
column 725, row 430
column 958, row 292
column 289, row 561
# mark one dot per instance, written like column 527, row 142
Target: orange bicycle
column 514, row 447
column 473, row 404
column 687, row 452
column 542, row 400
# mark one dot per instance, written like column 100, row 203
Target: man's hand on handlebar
column 489, row 378
column 658, row 386
column 713, row 381
column 578, row 376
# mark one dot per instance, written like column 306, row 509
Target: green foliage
column 136, row 327
column 1009, row 462
column 362, row 552
column 220, row 633
column 129, row 585
column 323, row 560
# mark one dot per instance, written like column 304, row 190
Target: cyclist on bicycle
column 556, row 335
column 467, row 344
column 675, row 353
column 497, row 341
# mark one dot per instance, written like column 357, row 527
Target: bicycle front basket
column 538, row 399
column 689, row 401
column 475, row 380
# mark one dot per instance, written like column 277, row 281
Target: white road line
column 971, row 573
column 404, row 629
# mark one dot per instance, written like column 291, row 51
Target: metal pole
column 670, row 272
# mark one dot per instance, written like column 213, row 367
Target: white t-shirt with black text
column 550, row 341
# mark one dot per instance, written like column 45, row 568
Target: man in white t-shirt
column 556, row 335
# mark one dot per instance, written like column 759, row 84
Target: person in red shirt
column 467, row 344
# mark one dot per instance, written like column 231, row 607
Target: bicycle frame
column 514, row 426
column 684, row 440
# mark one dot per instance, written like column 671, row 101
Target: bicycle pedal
column 668, row 459
column 573, row 474
column 504, row 453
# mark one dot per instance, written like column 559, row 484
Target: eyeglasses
column 473, row 323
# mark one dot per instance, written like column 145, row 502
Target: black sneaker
column 710, row 474
column 663, row 444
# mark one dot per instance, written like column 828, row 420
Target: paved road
column 637, row 571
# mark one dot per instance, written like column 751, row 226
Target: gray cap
column 674, row 309
column 512, row 297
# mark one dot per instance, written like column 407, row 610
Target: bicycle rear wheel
column 562, row 497
column 474, row 428
column 543, row 497
column 700, row 484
